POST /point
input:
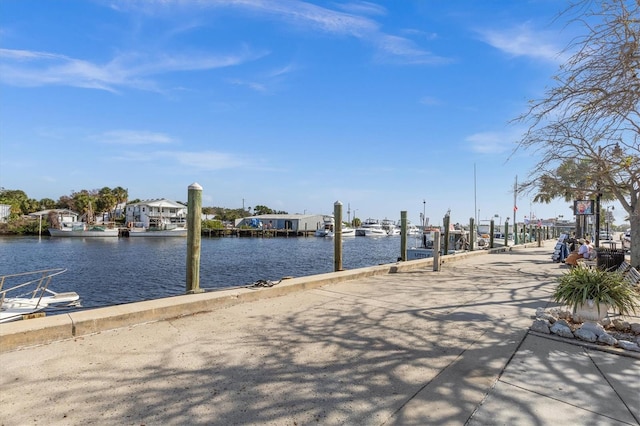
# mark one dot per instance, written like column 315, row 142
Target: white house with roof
column 62, row 215
column 5, row 212
column 150, row 213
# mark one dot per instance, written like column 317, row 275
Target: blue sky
column 383, row 105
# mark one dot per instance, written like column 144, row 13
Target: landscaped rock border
column 562, row 322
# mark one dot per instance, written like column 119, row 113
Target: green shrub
column 584, row 283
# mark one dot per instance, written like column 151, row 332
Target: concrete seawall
column 20, row 334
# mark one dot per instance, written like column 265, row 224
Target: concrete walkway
column 409, row 348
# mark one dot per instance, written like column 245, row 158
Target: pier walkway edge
column 390, row 344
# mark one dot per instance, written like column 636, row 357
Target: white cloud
column 134, row 137
column 206, row 160
column 491, row 142
column 363, row 7
column 429, row 100
column 522, row 40
column 31, row 68
column 352, row 21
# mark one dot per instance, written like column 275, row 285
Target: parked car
column 604, row 235
column 627, row 235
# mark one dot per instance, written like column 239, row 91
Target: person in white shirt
column 583, row 251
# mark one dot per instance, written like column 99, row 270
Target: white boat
column 27, row 293
column 162, row 228
column 347, row 231
column 458, row 242
column 371, row 228
column 390, row 227
column 326, row 229
column 413, row 230
column 83, row 229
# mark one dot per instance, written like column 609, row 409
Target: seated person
column 583, row 251
column 592, row 251
column 572, row 259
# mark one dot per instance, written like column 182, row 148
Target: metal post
column 337, row 236
column 403, row 235
column 436, row 251
column 194, row 229
column 473, row 235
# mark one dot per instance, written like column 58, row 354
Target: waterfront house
column 152, row 212
column 5, row 212
column 291, row 222
column 59, row 215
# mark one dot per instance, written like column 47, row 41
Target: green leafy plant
column 584, row 283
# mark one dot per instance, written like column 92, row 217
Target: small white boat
column 157, row 229
column 27, row 293
column 371, row 228
column 83, row 230
column 347, row 231
column 390, row 227
column 326, row 229
column 413, row 230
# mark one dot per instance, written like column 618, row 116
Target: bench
column 623, row 268
column 587, row 262
column 632, row 276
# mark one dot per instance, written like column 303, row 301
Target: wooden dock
column 255, row 233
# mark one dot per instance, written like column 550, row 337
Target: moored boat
column 83, row 230
column 27, row 293
column 326, row 229
column 371, row 228
column 458, row 242
column 157, row 229
column 347, row 231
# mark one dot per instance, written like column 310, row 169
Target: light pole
column 424, row 209
column 608, row 219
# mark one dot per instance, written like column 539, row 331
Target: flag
column 515, row 208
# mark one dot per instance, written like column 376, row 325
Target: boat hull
column 107, row 233
column 161, row 233
column 368, row 232
column 350, row 232
column 419, row 253
column 16, row 306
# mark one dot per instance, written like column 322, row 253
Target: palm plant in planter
column 590, row 289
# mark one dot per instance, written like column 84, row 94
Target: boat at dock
column 371, row 228
column 326, row 229
column 84, row 230
column 458, row 242
column 25, row 294
column 347, row 231
column 156, row 228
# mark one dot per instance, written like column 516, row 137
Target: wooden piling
column 337, row 236
column 403, row 235
column 506, row 233
column 473, row 234
column 194, row 236
column 436, row 250
column 445, row 222
column 492, row 232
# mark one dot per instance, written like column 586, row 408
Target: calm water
column 112, row 271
